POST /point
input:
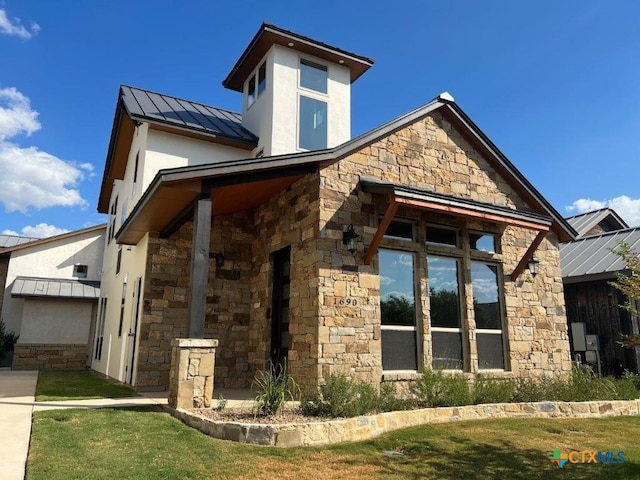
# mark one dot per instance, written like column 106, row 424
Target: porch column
column 199, row 266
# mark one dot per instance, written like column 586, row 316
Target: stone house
column 49, row 291
column 588, row 266
column 275, row 232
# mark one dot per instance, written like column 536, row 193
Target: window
column 123, row 213
column 251, row 92
column 447, row 237
column 312, row 124
column 488, row 314
column 124, row 296
column 135, row 174
column 398, row 311
column 483, row 242
column 102, row 311
column 112, row 220
column 80, row 271
column 399, row 230
column 262, row 78
column 313, row 76
column 119, row 260
column 445, row 312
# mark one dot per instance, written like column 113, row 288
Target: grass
column 81, row 385
column 145, row 443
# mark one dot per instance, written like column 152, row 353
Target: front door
column 133, row 331
column 280, row 315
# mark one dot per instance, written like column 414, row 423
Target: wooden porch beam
column 199, row 279
column 382, row 228
column 527, row 256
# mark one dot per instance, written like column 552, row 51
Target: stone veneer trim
column 43, row 356
column 367, row 427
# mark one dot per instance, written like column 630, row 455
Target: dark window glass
column 444, row 292
column 313, row 124
column 442, row 236
column 262, row 78
column 483, row 242
column 486, row 302
column 490, row 350
column 399, row 230
column 80, row 271
column 397, row 299
column 313, row 76
column 251, row 93
column 399, row 350
column 119, row 261
column 447, row 350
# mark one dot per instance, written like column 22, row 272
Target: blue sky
column 556, row 85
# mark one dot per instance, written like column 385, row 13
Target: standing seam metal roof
column 8, row 241
column 586, row 221
column 55, row 288
column 151, row 106
column 593, row 255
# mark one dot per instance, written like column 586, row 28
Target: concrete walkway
column 17, row 390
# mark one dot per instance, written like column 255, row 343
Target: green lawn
column 60, row 386
column 145, row 443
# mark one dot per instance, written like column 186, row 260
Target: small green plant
column 221, row 403
column 634, row 378
column 274, row 388
column 341, row 396
column 491, row 390
column 434, row 388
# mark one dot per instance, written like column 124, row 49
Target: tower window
column 251, row 92
column 312, row 124
column 313, row 76
column 262, row 78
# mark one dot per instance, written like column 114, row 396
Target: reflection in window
column 251, row 93
column 442, row 236
column 262, row 78
column 486, row 306
column 444, row 311
column 313, row 124
column 398, row 312
column 483, row 242
column 313, row 76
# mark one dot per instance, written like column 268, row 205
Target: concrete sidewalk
column 17, row 390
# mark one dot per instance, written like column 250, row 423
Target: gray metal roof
column 7, row 241
column 55, row 288
column 145, row 105
column 591, row 257
column 586, row 221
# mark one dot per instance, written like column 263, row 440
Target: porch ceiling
column 170, row 200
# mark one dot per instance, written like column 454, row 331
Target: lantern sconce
column 350, row 239
column 533, row 266
column 219, row 259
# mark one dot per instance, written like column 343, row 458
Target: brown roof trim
column 269, row 35
column 55, row 238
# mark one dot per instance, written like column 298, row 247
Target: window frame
column 256, row 86
column 318, row 66
column 326, row 123
column 80, row 270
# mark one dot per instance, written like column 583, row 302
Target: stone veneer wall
column 290, row 218
column 39, row 356
column 428, row 154
column 166, row 294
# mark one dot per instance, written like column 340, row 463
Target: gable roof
column 584, row 222
column 166, row 113
column 163, row 195
column 269, row 35
column 591, row 258
column 55, row 288
column 44, row 241
column 8, row 241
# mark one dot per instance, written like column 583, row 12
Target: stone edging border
column 367, row 427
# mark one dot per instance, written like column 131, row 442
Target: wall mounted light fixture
column 533, row 266
column 350, row 238
column 219, row 258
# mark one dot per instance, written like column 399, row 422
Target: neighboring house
column 273, row 231
column 588, row 266
column 50, row 294
column 8, row 241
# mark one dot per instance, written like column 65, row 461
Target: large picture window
column 398, row 311
column 312, row 124
column 313, row 76
column 487, row 308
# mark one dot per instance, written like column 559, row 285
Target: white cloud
column 628, row 208
column 41, row 230
column 16, row 114
column 386, row 280
column 16, row 28
column 30, row 177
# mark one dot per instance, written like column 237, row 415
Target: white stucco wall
column 54, row 259
column 274, row 116
column 55, row 321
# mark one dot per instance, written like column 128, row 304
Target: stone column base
column 191, row 375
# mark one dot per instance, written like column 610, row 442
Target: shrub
column 7, row 340
column 527, row 389
column 274, row 387
column 388, row 401
column 634, row 378
column 434, row 388
column 341, row 397
column 491, row 390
